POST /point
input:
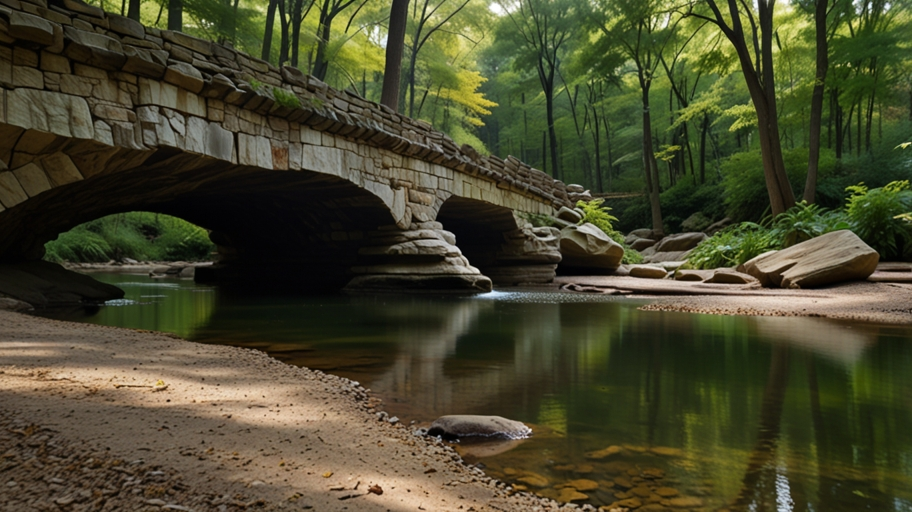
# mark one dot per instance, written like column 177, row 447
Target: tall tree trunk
column 283, row 42
column 598, row 153
column 133, row 10
column 321, row 65
column 267, row 33
column 552, row 134
column 297, row 17
column 704, row 129
column 395, row 43
column 820, row 27
column 649, row 161
column 176, row 15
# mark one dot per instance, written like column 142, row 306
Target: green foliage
column 286, row 98
column 733, row 246
column 255, row 84
column 873, row 217
column 596, row 214
column 137, row 235
column 803, row 222
column 538, row 220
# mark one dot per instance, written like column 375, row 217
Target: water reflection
column 668, row 410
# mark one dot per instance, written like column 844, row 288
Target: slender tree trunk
column 321, row 65
column 297, row 11
column 704, row 129
column 649, row 162
column 552, row 134
column 598, row 153
column 283, row 23
column 820, row 22
column 267, row 33
column 395, row 43
column 175, row 15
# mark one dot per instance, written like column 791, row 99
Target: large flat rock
column 831, row 258
column 466, row 425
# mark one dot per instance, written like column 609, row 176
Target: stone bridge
column 101, row 115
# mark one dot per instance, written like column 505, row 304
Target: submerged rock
column 455, row 426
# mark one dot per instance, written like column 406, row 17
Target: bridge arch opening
column 297, row 230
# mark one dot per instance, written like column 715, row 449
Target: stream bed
column 648, row 410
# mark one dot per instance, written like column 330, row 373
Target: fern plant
column 872, row 215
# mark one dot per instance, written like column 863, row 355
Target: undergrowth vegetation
column 141, row 236
column 878, row 216
column 596, row 214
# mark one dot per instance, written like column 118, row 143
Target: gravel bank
column 102, row 418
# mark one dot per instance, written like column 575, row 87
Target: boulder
column 586, row 248
column 571, row 215
column 636, row 234
column 648, row 271
column 831, row 258
column 468, row 425
column 651, row 255
column 641, row 243
column 41, row 283
column 680, row 242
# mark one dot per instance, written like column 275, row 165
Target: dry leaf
column 375, row 489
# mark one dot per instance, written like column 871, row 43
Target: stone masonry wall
column 84, row 92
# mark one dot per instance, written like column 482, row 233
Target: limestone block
column 220, row 143
column 24, row 76
column 83, row 8
column 49, row 111
column 32, row 179
column 322, row 159
column 196, row 139
column 103, row 133
column 588, row 247
column 77, row 85
column 32, row 142
column 126, row 26
column 31, row 28
column 185, row 76
column 11, row 192
column 93, row 48
column 310, row 136
column 127, row 135
column 145, row 62
column 54, row 63
column 254, row 150
column 60, row 169
column 294, row 156
column 190, row 42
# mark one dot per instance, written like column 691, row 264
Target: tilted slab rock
column 831, row 258
column 588, row 248
column 680, row 242
column 31, row 28
column 474, row 425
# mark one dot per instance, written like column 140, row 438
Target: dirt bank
column 83, row 426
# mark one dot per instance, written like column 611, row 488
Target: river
column 669, row 410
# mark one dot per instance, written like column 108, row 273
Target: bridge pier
column 421, row 258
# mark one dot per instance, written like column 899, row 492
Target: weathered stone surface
column 680, row 242
column 467, row 425
column 51, row 112
column 647, row 271
column 831, row 258
column 145, row 62
column 60, row 169
column 570, row 215
column 642, row 243
column 94, row 49
column 11, row 192
column 588, row 248
column 31, row 28
column 126, row 26
column 717, row 275
column 185, row 76
column 41, row 283
column 32, row 179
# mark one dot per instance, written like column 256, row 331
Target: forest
column 669, row 109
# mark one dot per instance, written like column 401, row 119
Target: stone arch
column 302, row 227
column 503, row 246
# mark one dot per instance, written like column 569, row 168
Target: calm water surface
column 674, row 410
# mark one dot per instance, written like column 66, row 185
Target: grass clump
column 286, row 98
column 141, row 236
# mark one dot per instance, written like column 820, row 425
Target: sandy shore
column 83, row 427
column 102, row 418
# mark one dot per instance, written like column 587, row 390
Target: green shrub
column 733, row 246
column 596, row 214
column 803, row 222
column 136, row 235
column 873, row 217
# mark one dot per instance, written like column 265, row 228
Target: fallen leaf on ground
column 375, row 489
